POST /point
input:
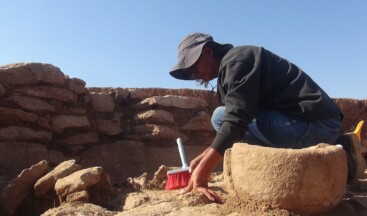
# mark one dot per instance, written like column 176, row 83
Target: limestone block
column 61, row 122
column 310, row 180
column 80, row 139
column 2, row 90
column 43, row 122
column 79, row 196
column 45, row 184
column 54, row 157
column 17, row 133
column 48, row 92
column 32, row 104
column 172, row 101
column 155, row 116
column 12, row 115
column 20, row 187
column 354, row 110
column 102, row 102
column 31, row 73
column 78, row 181
column 77, row 85
column 77, row 110
column 109, row 127
column 157, row 132
column 15, row 156
column 200, row 122
column 120, row 160
column 123, row 94
column 74, row 150
column 143, row 93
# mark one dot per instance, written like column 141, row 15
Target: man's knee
column 217, row 117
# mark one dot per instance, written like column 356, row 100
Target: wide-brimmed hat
column 189, row 52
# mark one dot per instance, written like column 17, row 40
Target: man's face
column 206, row 68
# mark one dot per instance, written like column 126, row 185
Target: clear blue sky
column 133, row 43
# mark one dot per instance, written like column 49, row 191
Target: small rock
column 13, row 195
column 138, row 182
column 80, row 196
column 45, row 184
column 77, row 181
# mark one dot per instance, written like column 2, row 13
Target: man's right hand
column 199, row 178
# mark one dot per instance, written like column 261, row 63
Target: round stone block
column 310, row 180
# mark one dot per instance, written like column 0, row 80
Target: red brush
column 179, row 178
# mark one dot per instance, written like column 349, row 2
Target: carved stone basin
column 310, row 180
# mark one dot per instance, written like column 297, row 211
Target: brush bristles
column 178, row 180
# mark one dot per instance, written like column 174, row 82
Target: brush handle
column 182, row 153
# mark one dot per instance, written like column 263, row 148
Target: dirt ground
column 145, row 195
column 161, row 202
column 148, row 198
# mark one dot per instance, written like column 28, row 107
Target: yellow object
column 358, row 130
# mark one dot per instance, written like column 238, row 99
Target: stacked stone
column 31, row 95
column 160, row 120
column 45, row 115
column 354, row 111
column 37, row 100
column 40, row 104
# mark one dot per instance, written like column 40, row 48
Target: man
column 263, row 94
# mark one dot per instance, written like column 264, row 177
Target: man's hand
column 194, row 187
column 199, row 178
column 211, row 195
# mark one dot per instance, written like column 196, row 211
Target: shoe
column 355, row 160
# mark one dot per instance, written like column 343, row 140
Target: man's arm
column 200, row 176
column 195, row 162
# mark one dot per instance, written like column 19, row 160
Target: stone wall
column 46, row 115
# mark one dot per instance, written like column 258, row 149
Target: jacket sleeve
column 240, row 81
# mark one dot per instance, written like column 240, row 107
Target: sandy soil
column 161, row 202
column 149, row 199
